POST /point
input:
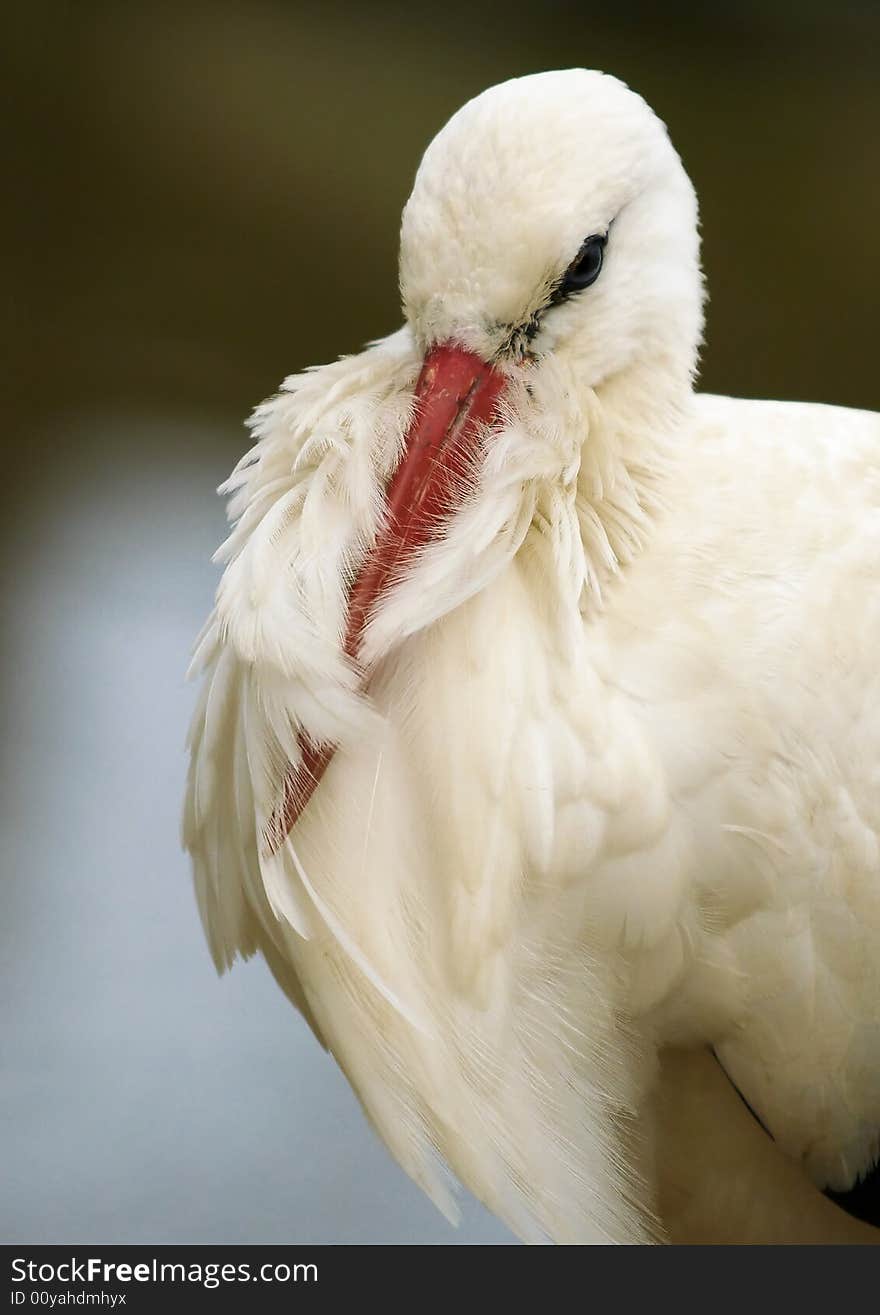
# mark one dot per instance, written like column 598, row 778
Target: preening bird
column 538, row 749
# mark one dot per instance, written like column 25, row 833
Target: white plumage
column 608, row 757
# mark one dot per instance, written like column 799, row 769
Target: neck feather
column 596, row 515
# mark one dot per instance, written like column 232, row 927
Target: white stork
column 539, row 740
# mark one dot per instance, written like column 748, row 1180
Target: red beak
column 456, row 398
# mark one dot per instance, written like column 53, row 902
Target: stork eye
column 585, row 268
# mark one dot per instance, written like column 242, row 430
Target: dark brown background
column 200, row 198
column 211, row 192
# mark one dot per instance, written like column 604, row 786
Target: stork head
column 552, row 215
column 549, row 267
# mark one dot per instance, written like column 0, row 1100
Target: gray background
column 143, row 1101
column 206, row 196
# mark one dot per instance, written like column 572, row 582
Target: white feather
column 614, row 786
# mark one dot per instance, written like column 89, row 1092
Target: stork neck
column 626, row 465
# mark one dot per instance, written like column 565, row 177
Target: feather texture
column 611, row 786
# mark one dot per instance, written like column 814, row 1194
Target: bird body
column 605, row 743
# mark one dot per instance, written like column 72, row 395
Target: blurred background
column 204, row 197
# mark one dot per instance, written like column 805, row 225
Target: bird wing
column 304, row 502
column 756, row 686
column 801, row 811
